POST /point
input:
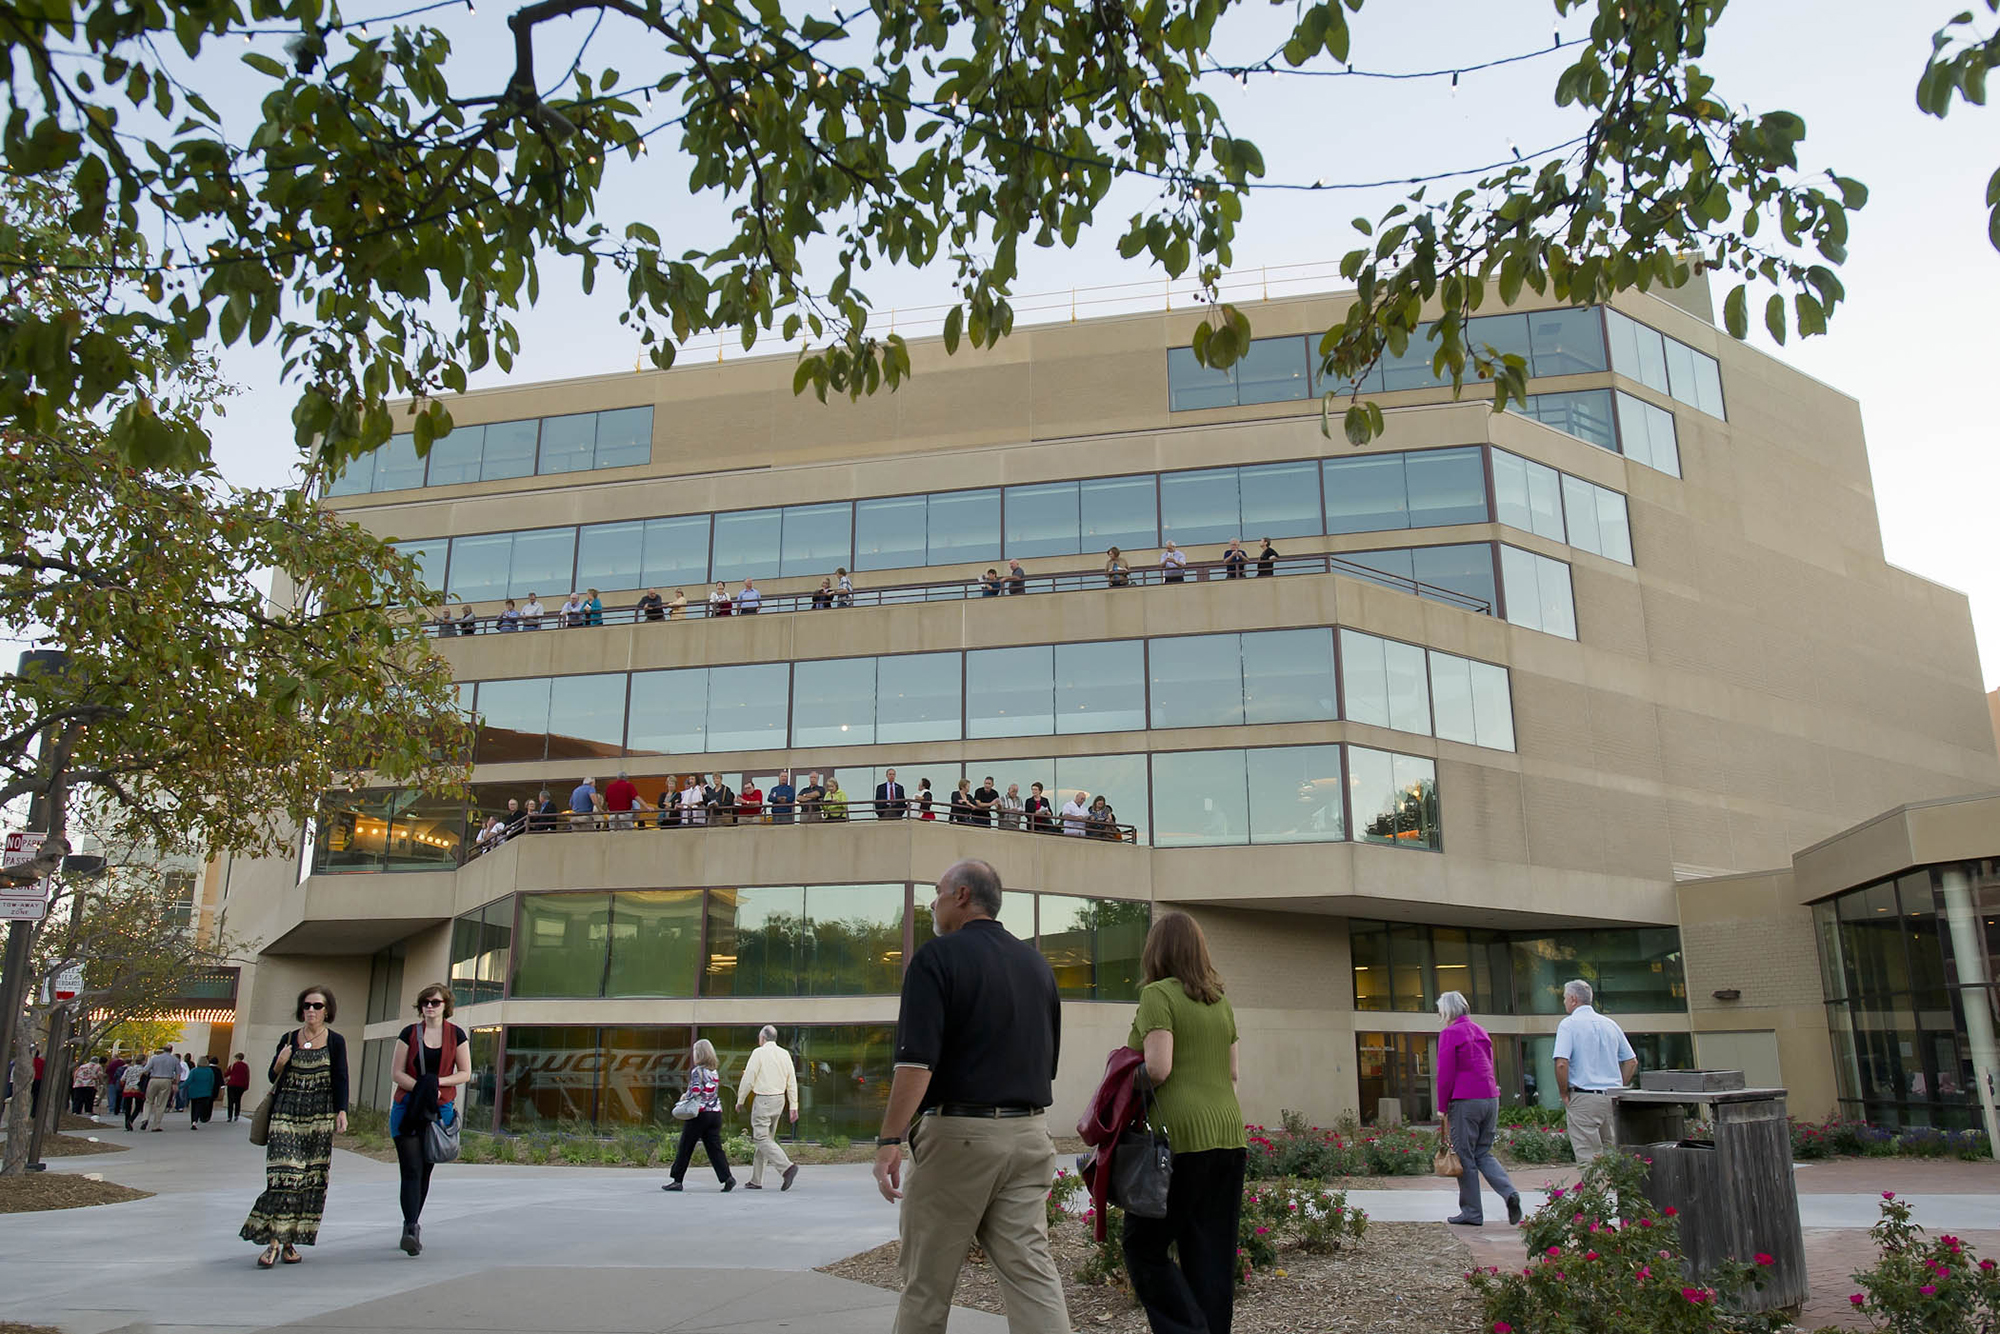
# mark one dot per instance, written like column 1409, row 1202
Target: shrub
column 1276, row 1216
column 1548, row 1118
column 1067, row 1185
column 1602, row 1259
column 1534, row 1144
column 739, row 1148
column 1924, row 1286
column 1399, row 1151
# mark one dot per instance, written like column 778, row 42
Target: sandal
column 268, row 1258
column 292, row 1256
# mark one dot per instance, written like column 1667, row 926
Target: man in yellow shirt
column 769, row 1084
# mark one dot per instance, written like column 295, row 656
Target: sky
column 1922, row 278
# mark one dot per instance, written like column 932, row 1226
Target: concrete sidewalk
column 564, row 1250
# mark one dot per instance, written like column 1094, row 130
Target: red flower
column 1670, row 1211
column 1590, row 1255
column 1765, row 1259
column 1645, row 1272
column 1695, row 1295
column 1929, row 1290
column 1856, row 1298
column 1645, row 1222
column 1555, row 1250
column 1502, row 1327
column 1888, row 1194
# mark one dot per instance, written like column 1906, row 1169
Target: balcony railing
column 535, row 824
column 958, row 590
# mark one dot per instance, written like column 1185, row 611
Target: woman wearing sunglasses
column 308, row 1106
column 433, row 1061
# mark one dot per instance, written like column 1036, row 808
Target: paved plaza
column 574, row 1250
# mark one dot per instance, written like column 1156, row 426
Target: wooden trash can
column 1732, row 1187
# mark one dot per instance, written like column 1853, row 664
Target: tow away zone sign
column 23, row 903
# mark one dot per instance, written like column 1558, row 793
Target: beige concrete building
column 1500, row 687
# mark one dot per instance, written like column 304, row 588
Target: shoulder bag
column 440, row 1135
column 260, row 1120
column 1142, row 1163
column 1445, row 1162
column 689, row 1107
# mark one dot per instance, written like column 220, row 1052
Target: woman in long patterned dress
column 309, row 1075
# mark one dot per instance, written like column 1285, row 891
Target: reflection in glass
column 1566, row 342
column 747, row 706
column 543, row 561
column 655, row 942
column 1583, row 413
column 1273, row 370
column 1366, row 493
column 1395, row 798
column 669, row 713
column 1446, row 486
column 964, row 526
column 1197, row 681
column 551, row 1077
column 1119, row 512
column 356, row 477
column 1101, row 687
column 890, row 533
column 1636, row 350
column 430, row 558
column 1465, row 569
column 1193, row 385
column 562, row 948
column 513, row 721
column 353, row 831
column 1199, row 506
column 479, row 566
column 1528, row 495
column 854, row 940
column 818, row 538
column 1042, row 520
column 611, row 555
column 1278, row 500
column 1647, row 434
column 569, row 444
column 1010, row 692
column 643, row 1073
column 1496, row 336
column 1288, row 676
column 587, row 717
column 833, row 703
column 1200, row 799
column 1580, row 512
column 508, row 450
column 917, row 697
column 455, row 456
column 676, row 552
column 397, row 467
column 624, row 437
column 746, row 544
column 1093, row 945
column 425, row 834
column 1294, row 794
column 1119, row 779
column 754, row 941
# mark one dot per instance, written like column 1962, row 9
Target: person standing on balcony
column 1017, row 578
column 1040, row 819
column 822, row 599
column 1267, row 560
column 1117, row 573
column 531, row 613
column 989, row 583
column 571, row 612
column 749, row 602
column 750, row 802
column 811, row 797
column 891, row 801
column 770, row 1084
column 961, row 802
column 1233, row 560
column 1173, row 564
column 985, row 802
column 721, row 802
column 1076, row 814
column 583, row 804
column 1593, row 1057
column 593, row 609
column 1009, row 808
column 924, row 799
column 843, row 588
column 467, row 623
column 510, row 619
column 678, row 605
column 977, row 1038
column 718, row 601
column 694, row 802
column 783, row 798
column 1100, row 821
column 621, row 799
column 651, row 607
column 833, row 805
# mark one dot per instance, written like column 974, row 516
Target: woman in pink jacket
column 1469, row 1102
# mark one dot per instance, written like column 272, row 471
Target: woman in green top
column 1188, row 1033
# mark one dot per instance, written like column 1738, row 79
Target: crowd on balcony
column 696, row 801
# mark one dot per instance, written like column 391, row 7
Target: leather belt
column 984, row 1110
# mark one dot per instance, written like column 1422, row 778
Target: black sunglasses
column 312, row 1005
column 429, row 1001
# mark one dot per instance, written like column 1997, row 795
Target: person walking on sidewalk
column 1469, row 1102
column 163, row 1076
column 977, row 1036
column 237, row 1080
column 1593, row 1057
column 433, row 1061
column 308, row 1108
column 132, row 1083
column 770, row 1084
column 202, row 1082
column 705, row 1126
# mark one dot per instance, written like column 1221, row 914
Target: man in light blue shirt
column 1592, row 1058
column 583, row 804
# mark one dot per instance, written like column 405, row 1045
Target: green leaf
column 1735, row 311
column 263, row 64
column 954, row 322
column 1774, row 318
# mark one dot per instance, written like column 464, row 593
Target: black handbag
column 441, row 1140
column 1142, row 1163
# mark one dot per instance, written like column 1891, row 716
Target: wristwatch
column 884, row 1141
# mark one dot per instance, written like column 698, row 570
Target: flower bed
column 1312, row 1153
column 1837, row 1137
column 1921, row 1285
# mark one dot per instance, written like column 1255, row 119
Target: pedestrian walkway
column 555, row 1249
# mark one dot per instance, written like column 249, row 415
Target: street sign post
column 23, row 903
column 67, row 982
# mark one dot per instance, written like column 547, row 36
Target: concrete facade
column 1756, row 680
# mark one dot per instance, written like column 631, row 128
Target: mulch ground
column 9, row 1327
column 37, row 1191
column 1403, row 1278
column 74, row 1146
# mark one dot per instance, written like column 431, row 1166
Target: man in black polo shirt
column 976, row 1045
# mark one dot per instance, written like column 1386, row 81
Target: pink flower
column 1888, row 1194
column 1987, row 1265
column 1670, row 1211
column 1645, row 1272
column 1262, row 1230
column 1590, row 1255
column 1765, row 1259
column 1695, row 1295
column 1555, row 1250
column 1856, row 1298
column 1645, row 1222
column 1929, row 1290
column 1502, row 1327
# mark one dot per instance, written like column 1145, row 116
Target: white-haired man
column 1593, row 1057
column 770, row 1083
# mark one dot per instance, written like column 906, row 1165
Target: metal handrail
column 955, row 590
column 643, row 819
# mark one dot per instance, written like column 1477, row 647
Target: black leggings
column 416, row 1173
column 235, row 1103
column 705, row 1128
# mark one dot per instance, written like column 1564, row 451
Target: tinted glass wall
column 481, row 949
column 1907, row 966
column 1664, row 364
column 618, row 438
column 1613, row 420
column 1406, row 967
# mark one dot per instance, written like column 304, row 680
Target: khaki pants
column 159, row 1096
column 1589, row 1125
column 985, row 1180
column 765, row 1111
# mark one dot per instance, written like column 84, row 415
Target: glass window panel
column 1042, row 520
column 1528, row 495
column 1636, row 351
column 1519, row 572
column 464, row 959
column 1093, row 945
column 1409, row 967
column 917, row 697
column 1120, row 512
column 854, row 940
column 611, row 555
column 563, row 945
column 1493, row 705
column 1409, row 694
column 624, row 437
column 1648, row 434
column 1396, row 563
column 397, row 467
column 746, row 706
column 1119, row 779
column 1294, row 794
column 1370, row 952
column 1680, row 370
column 655, row 942
column 1565, row 342
column 890, row 534
column 1193, row 385
column 818, row 538
column 1583, row 413
column 513, row 721
column 496, row 951
column 1010, row 692
column 1506, row 335
column 669, row 713
column 569, row 444
column 1199, row 506
column 1580, row 511
column 1279, row 500
column 676, row 553
column 1197, row 681
column 642, row 1073
column 1366, row 494
column 746, row 544
column 1466, row 570
column 544, row 558
column 1288, row 676
column 1412, row 370
column 551, row 1077
column 755, row 939
column 1101, row 687
column 964, row 526
column 1707, row 385
column 1417, row 823
column 1445, row 486
column 1451, row 698
column 353, row 831
column 844, row 1078
column 1614, row 531
column 1371, row 779
column 356, row 478
column 425, row 834
column 1545, row 502
column 1273, row 370
column 587, row 717
column 508, row 449
column 1201, row 799
column 833, row 703
column 1558, row 614
column 1364, row 678
column 479, row 566
column 430, row 558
